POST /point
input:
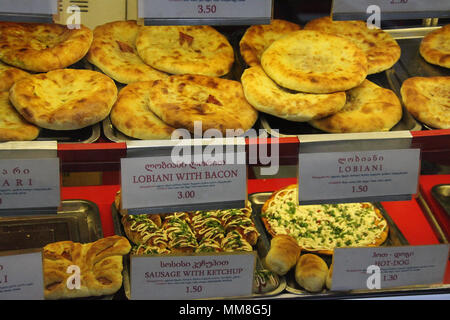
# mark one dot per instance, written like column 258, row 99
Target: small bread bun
column 311, row 272
column 283, row 254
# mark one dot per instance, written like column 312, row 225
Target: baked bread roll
column 283, row 254
column 41, row 47
column 311, row 272
column 258, row 38
column 435, row 48
column 9, row 75
column 100, row 265
column 64, row 99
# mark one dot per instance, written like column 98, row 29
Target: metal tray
column 75, row 220
column 441, row 193
column 262, row 249
column 395, row 238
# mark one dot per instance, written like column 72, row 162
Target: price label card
column 28, row 6
column 157, row 184
column 205, row 11
column 21, row 276
column 29, row 183
column 390, row 9
column 192, row 277
column 388, row 267
column 380, row 175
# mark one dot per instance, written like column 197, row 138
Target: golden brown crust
column 428, row 100
column 64, row 99
column 99, row 263
column 266, row 96
column 382, row 51
column 435, row 47
column 315, row 62
column 9, row 75
column 42, row 47
column 311, row 272
column 13, row 127
column 131, row 114
column 283, row 254
column 369, row 108
column 219, row 104
column 185, row 50
column 258, row 38
column 113, row 51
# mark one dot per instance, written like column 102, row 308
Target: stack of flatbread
column 318, row 74
column 39, row 84
column 174, row 78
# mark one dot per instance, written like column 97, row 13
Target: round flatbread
column 315, row 62
column 132, row 116
column 185, row 50
column 42, row 47
column 257, row 38
column 368, row 108
column 113, row 51
column 65, row 99
column 428, row 100
column 435, row 47
column 382, row 51
column 322, row 228
column 9, row 75
column 13, row 127
column 219, row 104
column 266, row 96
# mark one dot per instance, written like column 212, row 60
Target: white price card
column 29, row 183
column 157, row 184
column 378, row 175
column 202, row 10
column 29, row 6
column 192, row 277
column 21, row 276
column 389, row 9
column 388, row 267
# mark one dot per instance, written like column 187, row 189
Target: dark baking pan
column 441, row 193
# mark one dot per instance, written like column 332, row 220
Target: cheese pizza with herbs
column 322, row 228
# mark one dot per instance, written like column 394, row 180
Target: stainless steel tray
column 395, row 238
column 75, row 220
column 262, row 249
column 441, row 193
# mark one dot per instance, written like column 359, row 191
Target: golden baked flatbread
column 64, row 99
column 315, row 62
column 113, row 51
column 266, row 96
column 181, row 100
column 435, row 47
column 185, row 50
column 382, row 51
column 13, row 127
column 258, row 37
column 9, row 75
column 322, row 228
column 368, row 108
column 42, row 47
column 428, row 100
column 132, row 116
